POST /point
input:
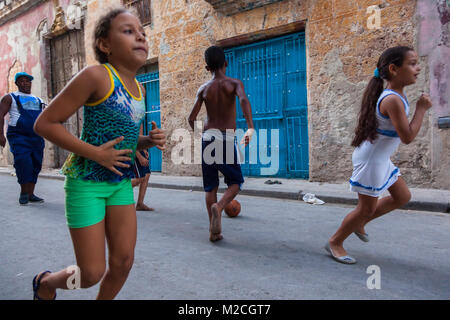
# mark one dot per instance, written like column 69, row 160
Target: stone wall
column 434, row 45
column 230, row 7
column 24, row 49
column 342, row 51
column 10, row 9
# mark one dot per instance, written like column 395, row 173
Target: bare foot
column 338, row 251
column 216, row 223
column 44, row 292
column 143, row 207
column 213, row 237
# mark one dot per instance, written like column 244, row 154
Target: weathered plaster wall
column 23, row 49
column 230, row 7
column 341, row 55
column 434, row 43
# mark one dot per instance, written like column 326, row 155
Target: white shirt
column 28, row 101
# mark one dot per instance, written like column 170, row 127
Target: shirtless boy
column 219, row 95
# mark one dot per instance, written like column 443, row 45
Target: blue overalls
column 26, row 146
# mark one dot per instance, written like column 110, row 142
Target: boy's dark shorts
column 139, row 170
column 231, row 171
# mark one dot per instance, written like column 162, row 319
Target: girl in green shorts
column 99, row 196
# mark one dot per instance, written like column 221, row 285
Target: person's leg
column 37, row 156
column 227, row 197
column 142, row 190
column 121, row 237
column 27, row 187
column 210, row 199
column 31, row 190
column 210, row 175
column 20, row 147
column 89, row 247
column 233, row 176
column 400, row 196
column 365, row 208
column 24, row 171
column 217, row 208
column 135, row 182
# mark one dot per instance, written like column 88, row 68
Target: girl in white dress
column 382, row 125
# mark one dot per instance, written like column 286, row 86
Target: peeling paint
column 434, row 42
column 22, row 49
column 341, row 54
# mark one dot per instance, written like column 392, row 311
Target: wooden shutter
column 66, row 60
column 143, row 9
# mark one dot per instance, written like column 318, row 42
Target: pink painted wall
column 22, row 32
column 434, row 42
column 20, row 42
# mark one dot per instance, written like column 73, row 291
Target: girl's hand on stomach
column 111, row 158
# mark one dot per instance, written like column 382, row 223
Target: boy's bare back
column 219, row 96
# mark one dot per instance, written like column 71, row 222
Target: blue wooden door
column 274, row 77
column 150, row 81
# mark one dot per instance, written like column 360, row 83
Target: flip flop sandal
column 269, row 182
column 362, row 236
column 37, row 284
column 343, row 259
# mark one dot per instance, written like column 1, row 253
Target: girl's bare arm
column 156, row 137
column 90, row 84
column 406, row 130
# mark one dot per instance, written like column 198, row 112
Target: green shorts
column 86, row 201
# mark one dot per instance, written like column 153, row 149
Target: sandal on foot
column 37, row 284
column 343, row 259
column 362, row 236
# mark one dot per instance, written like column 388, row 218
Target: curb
column 441, row 207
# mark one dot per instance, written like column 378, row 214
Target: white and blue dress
column 373, row 170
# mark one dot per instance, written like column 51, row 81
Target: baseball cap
column 22, row 74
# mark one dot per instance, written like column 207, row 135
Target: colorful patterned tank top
column 119, row 113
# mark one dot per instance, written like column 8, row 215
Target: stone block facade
column 230, row 7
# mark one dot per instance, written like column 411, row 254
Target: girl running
column 99, row 196
column 383, row 124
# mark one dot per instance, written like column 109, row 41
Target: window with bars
column 143, row 9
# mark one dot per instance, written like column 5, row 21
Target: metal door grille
column 274, row 77
column 151, row 83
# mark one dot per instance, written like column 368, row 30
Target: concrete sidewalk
column 293, row 189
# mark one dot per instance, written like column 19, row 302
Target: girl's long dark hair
column 367, row 121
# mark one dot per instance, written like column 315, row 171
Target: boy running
column 219, row 95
